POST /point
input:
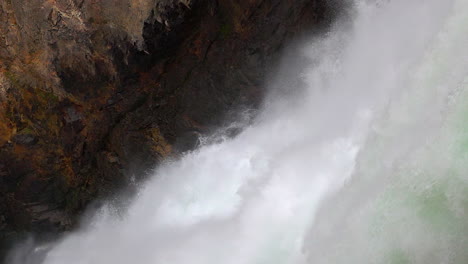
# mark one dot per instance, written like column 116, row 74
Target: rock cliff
column 94, row 91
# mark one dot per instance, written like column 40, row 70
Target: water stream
column 366, row 162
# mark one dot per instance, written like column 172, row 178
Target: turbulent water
column 367, row 162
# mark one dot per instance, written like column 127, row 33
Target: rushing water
column 366, row 163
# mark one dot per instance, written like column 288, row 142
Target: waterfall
column 365, row 162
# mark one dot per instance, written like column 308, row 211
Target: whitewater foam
column 351, row 171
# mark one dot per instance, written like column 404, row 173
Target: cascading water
column 367, row 164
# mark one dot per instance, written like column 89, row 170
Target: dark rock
column 72, row 115
column 25, row 139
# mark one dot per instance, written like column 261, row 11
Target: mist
column 364, row 161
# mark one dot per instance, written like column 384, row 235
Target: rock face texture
column 92, row 91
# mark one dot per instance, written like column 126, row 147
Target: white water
column 367, row 164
